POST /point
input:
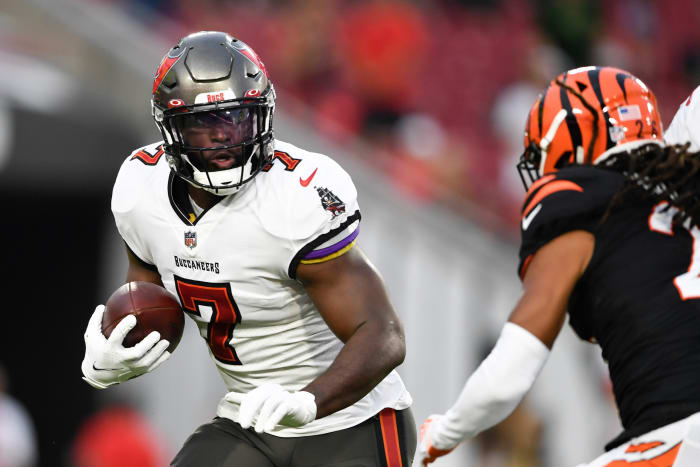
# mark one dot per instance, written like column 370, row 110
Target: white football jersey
column 233, row 268
column 685, row 126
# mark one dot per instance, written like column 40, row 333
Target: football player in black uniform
column 608, row 233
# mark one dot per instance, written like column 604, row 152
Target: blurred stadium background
column 424, row 104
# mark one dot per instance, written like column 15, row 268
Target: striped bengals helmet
column 585, row 116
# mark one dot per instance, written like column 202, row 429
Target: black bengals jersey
column 639, row 297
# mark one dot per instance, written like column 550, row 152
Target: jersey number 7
column 224, row 314
column 661, row 220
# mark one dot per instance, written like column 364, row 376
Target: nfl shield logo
column 190, row 239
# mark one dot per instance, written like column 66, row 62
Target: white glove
column 430, row 447
column 108, row 362
column 272, row 405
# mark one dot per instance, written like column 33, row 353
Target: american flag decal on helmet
column 330, row 201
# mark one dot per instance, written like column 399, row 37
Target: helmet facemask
column 237, row 133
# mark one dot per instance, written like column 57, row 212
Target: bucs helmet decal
column 165, row 65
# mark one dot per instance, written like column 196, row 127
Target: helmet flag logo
column 251, row 55
column 165, row 65
column 629, row 112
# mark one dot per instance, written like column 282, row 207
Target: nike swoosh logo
column 308, row 180
column 527, row 220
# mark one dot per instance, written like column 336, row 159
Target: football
column 155, row 309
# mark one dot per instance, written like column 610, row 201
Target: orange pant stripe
column 390, row 438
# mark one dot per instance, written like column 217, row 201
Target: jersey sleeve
column 329, row 217
column 128, row 193
column 685, row 126
column 312, row 208
column 574, row 198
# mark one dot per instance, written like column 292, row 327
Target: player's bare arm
column 138, row 272
column 549, row 280
column 350, row 295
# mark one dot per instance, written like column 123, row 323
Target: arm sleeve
column 127, row 207
column 494, row 390
column 326, row 221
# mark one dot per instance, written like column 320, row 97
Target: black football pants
column 386, row 440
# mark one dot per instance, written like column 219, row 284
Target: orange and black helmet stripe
column 571, row 121
column 591, row 98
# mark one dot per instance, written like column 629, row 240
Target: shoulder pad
column 685, row 126
column 304, row 194
column 573, row 198
column 134, row 174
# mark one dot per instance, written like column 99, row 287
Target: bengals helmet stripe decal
column 594, row 78
column 540, row 110
column 621, row 77
column 571, row 123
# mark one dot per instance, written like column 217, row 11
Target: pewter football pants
column 386, row 440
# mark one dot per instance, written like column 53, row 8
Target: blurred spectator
column 117, row 437
column 304, row 60
column 427, row 161
column 628, row 38
column 382, row 46
column 480, row 4
column 359, row 68
column 572, row 24
column 511, row 106
column 17, row 435
column 515, row 442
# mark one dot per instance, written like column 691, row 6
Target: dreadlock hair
column 660, row 173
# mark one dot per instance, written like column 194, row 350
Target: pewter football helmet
column 211, row 78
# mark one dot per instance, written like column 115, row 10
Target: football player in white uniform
column 685, row 126
column 257, row 239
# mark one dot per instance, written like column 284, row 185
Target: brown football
column 155, row 309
